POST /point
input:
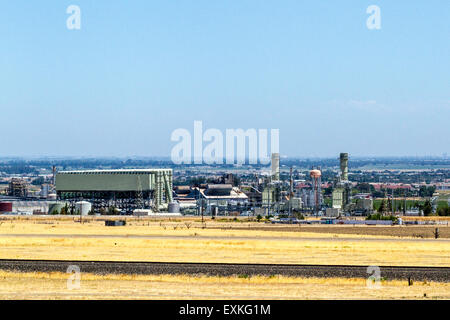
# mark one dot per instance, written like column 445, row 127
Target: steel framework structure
column 125, row 190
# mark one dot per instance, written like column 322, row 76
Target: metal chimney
column 344, row 166
column 276, row 166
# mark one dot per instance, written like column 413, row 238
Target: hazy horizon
column 164, row 158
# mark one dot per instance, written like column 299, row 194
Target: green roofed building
column 124, row 189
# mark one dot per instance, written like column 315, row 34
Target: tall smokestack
column 54, row 175
column 344, row 166
column 291, row 185
column 276, row 166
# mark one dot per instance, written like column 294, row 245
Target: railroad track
column 441, row 274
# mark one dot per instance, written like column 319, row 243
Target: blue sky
column 137, row 70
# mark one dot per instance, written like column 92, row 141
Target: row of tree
column 424, row 191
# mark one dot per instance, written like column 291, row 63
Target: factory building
column 24, row 207
column 124, row 189
column 270, row 194
column 295, row 203
column 18, row 188
column 364, row 206
column 222, row 198
column 253, row 194
column 308, row 197
column 339, row 197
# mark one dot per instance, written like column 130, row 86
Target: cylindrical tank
column 83, row 207
column 45, row 190
column 55, row 208
column 5, row 206
column 174, row 207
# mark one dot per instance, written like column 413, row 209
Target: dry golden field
column 54, row 286
column 186, row 241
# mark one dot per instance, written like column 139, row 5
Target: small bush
column 378, row 216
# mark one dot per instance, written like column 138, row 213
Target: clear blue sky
column 137, row 70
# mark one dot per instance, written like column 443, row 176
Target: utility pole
column 269, row 193
column 201, row 209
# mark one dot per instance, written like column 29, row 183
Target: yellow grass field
column 176, row 242
column 54, row 286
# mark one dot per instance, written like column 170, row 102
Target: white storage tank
column 83, row 207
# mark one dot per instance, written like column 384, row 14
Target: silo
column 83, row 207
column 174, row 207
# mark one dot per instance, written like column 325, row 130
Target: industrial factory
column 151, row 191
column 122, row 190
column 342, row 194
column 270, row 191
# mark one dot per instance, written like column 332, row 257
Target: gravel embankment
column 441, row 274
